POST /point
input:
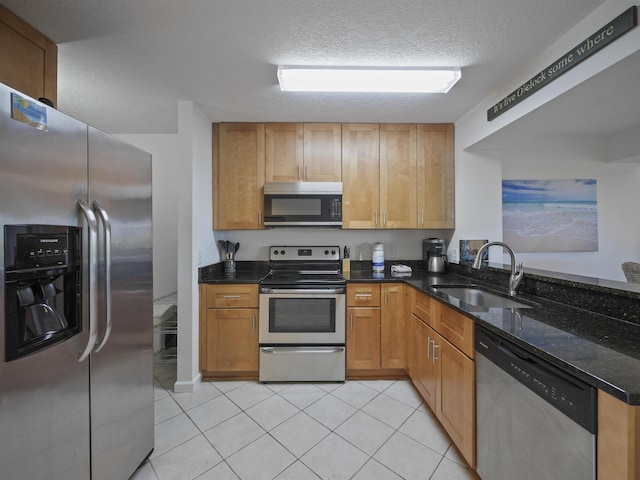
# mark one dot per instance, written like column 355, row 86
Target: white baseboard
column 188, row 386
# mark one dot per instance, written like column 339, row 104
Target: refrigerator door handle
column 92, row 223
column 106, row 224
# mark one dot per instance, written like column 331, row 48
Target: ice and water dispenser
column 43, row 280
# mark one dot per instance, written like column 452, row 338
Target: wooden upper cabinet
column 360, row 175
column 238, row 175
column 435, row 174
column 398, row 176
column 309, row 152
column 322, row 152
column 284, row 144
column 28, row 59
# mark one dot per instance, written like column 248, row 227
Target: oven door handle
column 303, row 291
column 289, row 350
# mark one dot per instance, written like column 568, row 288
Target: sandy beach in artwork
column 550, row 243
column 550, row 227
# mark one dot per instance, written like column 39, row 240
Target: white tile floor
column 375, row 429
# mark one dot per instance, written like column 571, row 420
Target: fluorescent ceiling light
column 338, row 79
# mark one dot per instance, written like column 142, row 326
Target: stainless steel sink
column 479, row 297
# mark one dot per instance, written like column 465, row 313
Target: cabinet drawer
column 232, row 296
column 456, row 328
column 423, row 307
column 363, row 295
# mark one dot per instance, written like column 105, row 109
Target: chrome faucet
column 516, row 277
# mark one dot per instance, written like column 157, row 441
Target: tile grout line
column 297, row 458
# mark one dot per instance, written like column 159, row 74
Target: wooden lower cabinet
column 442, row 373
column 363, row 338
column 375, row 329
column 423, row 366
column 231, row 342
column 618, row 439
column 229, row 330
column 455, row 402
column 392, row 326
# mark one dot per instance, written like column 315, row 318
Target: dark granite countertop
column 588, row 330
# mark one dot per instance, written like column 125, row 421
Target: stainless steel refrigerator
column 76, row 308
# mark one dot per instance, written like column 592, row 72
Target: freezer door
column 122, row 418
column 44, row 397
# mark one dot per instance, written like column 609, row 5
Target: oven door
column 302, row 316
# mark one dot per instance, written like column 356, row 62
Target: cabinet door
column 322, row 152
column 618, row 439
column 392, row 330
column 284, row 145
column 360, row 175
column 398, row 176
column 363, row 338
column 231, row 340
column 28, row 60
column 435, row 174
column 456, row 398
column 238, row 169
column 425, row 366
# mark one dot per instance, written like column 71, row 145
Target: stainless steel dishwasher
column 534, row 421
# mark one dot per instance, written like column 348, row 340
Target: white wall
column 254, row 245
column 195, row 235
column 617, row 191
column 479, row 173
column 165, row 169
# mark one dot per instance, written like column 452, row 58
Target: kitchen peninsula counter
column 587, row 328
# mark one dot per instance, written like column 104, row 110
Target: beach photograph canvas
column 550, row 215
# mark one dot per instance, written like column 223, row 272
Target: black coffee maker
column 434, row 257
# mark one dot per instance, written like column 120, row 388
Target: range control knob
column 326, row 252
column 275, row 252
column 282, row 252
column 333, row 252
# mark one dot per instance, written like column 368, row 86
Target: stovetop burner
column 304, row 265
column 284, row 278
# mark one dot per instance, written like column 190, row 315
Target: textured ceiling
column 124, row 64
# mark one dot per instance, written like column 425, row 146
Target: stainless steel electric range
column 302, row 331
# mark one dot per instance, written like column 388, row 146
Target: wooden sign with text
column 603, row 37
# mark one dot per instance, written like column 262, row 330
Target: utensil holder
column 229, row 266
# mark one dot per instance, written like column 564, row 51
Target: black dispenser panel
column 43, row 275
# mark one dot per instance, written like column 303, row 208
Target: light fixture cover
column 353, row 79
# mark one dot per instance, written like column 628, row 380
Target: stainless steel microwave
column 303, row 204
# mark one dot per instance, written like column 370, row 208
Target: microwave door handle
column 92, row 224
column 106, row 224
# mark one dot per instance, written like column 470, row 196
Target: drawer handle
column 232, row 296
column 435, row 358
column 428, row 347
column 366, row 295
